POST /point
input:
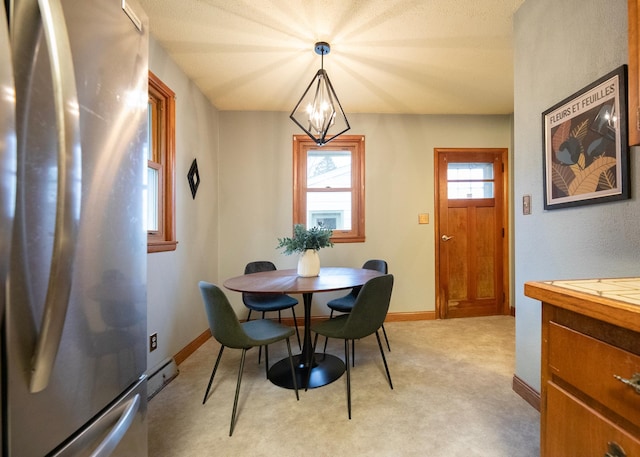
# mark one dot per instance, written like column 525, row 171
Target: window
column 328, row 186
column 159, row 187
column 470, row 180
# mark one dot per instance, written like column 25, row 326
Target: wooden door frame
column 506, row 305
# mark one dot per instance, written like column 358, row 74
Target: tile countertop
column 613, row 300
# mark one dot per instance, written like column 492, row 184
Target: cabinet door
column 575, row 430
column 634, row 74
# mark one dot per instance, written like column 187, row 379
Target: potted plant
column 307, row 243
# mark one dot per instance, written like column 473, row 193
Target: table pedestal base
column 325, row 369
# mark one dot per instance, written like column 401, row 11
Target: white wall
column 561, row 47
column 175, row 309
column 256, row 194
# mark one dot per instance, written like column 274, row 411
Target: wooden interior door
column 470, row 234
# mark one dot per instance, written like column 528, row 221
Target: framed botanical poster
column 586, row 156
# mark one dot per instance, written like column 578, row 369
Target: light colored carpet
column 452, row 396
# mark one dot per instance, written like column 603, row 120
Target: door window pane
column 470, row 180
column 473, row 170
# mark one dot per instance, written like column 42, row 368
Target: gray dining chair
column 366, row 318
column 265, row 303
column 345, row 303
column 230, row 332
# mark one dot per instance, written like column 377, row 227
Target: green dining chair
column 345, row 303
column 230, row 332
column 265, row 303
column 366, row 317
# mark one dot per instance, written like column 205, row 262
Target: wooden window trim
column 354, row 143
column 165, row 238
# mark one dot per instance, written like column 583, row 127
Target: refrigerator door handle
column 118, row 431
column 68, row 199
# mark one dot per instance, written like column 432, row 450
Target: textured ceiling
column 387, row 56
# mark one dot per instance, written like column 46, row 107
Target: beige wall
column 174, row 306
column 244, row 201
column 255, row 194
column 581, row 41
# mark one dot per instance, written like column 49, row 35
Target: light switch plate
column 423, row 218
column 526, row 204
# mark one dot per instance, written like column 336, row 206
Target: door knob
column 446, row 238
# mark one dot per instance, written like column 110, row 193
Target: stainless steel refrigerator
column 73, row 158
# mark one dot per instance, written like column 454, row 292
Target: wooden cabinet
column 575, row 429
column 634, row 73
column 590, row 344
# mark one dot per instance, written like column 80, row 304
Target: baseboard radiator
column 161, row 375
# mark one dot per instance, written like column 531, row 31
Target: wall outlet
column 153, row 342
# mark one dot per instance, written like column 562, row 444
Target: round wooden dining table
column 325, row 368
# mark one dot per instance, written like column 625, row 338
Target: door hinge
column 502, row 232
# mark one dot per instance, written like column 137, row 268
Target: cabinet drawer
column 575, row 430
column 589, row 365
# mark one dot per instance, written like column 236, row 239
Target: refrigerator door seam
column 7, row 157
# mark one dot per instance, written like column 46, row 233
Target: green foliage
column 315, row 238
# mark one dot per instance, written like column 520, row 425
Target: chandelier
column 318, row 111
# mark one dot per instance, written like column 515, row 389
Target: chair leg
column 213, row 373
column 293, row 371
column 353, row 346
column 384, row 359
column 235, row 401
column 353, row 353
column 249, row 316
column 346, row 359
column 295, row 323
column 385, row 337
column 260, row 348
column 326, row 338
column 266, row 359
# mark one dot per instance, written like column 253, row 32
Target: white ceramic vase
column 309, row 263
